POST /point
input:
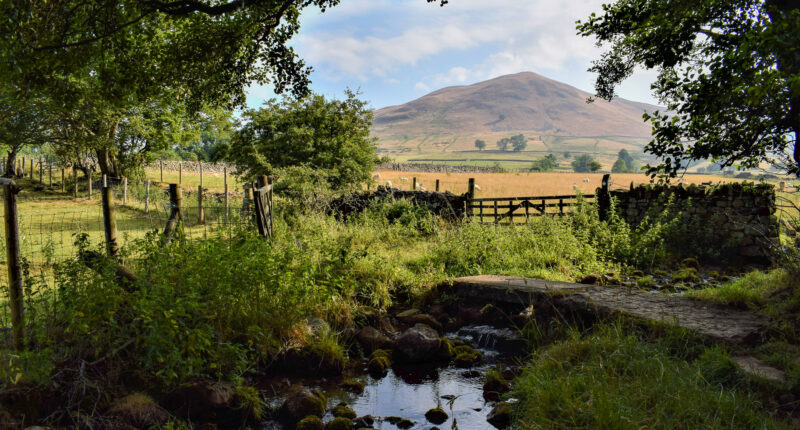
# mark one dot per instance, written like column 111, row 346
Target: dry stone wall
column 436, row 168
column 738, row 219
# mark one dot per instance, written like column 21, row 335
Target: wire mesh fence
column 50, row 221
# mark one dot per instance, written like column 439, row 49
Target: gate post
column 14, row 268
column 604, row 197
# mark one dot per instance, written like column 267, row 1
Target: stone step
column 718, row 322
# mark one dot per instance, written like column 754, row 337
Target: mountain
column 554, row 116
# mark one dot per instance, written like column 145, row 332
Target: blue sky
column 395, row 51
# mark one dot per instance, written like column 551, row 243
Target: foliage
column 607, row 379
column 545, row 164
column 727, row 72
column 585, row 163
column 627, row 158
column 328, row 135
column 620, row 167
column 480, row 144
column 518, row 142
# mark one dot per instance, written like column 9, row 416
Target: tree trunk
column 789, row 64
column 10, row 169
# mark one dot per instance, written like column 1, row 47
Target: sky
column 395, row 51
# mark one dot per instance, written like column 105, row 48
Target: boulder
column 371, row 339
column 436, row 415
column 302, row 403
column 341, row 410
column 311, row 422
column 201, row 400
column 417, row 344
column 379, row 363
column 500, row 415
column 339, row 423
column 139, row 410
column 364, row 422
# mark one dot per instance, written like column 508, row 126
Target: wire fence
column 50, row 221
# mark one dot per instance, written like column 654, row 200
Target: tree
column 518, row 142
column 585, row 163
column 627, row 158
column 331, row 136
column 503, row 143
column 727, row 70
column 545, row 164
column 104, row 61
column 620, row 166
column 23, row 123
column 480, row 144
column 567, row 154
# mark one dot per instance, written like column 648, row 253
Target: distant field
column 506, row 159
column 525, row 184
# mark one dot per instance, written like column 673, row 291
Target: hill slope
column 554, row 116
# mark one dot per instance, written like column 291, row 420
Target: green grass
column 752, row 291
column 606, row 379
column 214, row 182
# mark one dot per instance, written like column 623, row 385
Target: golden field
column 525, row 184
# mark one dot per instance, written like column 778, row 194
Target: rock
column 470, row 374
column 446, row 350
column 392, row 419
column 424, row 319
column 417, row 344
column 339, row 423
column 371, row 339
column 341, row 410
column 201, row 400
column 495, row 385
column 436, row 415
column 466, row 356
column 405, row 423
column 592, row 279
column 379, row 363
column 303, row 403
column 364, row 422
column 407, row 314
column 690, row 262
column 352, row 385
column 469, row 314
column 311, row 422
column 500, row 415
column 139, row 410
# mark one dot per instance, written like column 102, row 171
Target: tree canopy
column 585, row 163
column 728, row 72
column 331, row 136
column 480, row 144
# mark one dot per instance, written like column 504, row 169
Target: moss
column 352, row 385
column 405, row 423
column 645, row 282
column 343, row 411
column 392, row 419
column 686, row 275
column 690, row 263
column 637, row 273
column 250, row 403
column 466, row 356
column 379, row 363
column 310, row 422
column 436, row 415
column 339, row 423
column 445, row 352
column 495, row 382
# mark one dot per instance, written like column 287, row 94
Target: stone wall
column 738, row 219
column 436, row 168
column 446, row 204
column 193, row 166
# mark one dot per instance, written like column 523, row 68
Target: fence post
column 14, row 268
column 41, row 170
column 414, row 183
column 109, row 221
column 21, row 168
column 180, row 172
column 269, row 206
column 604, row 197
column 248, row 197
column 31, row 168
column 470, row 196
column 260, row 197
column 146, row 196
column 75, row 180
column 63, row 185
column 225, row 179
column 50, row 170
column 105, row 181
column 124, row 191
column 161, row 167
column 200, row 215
column 89, row 179
column 176, row 212
column 437, row 185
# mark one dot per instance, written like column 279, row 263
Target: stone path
column 718, row 322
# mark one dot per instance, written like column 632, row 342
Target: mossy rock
column 303, row 403
column 352, row 385
column 686, row 275
column 495, row 382
column 342, row 411
column 466, row 356
column 139, row 410
column 690, row 263
column 405, row 423
column 436, row 415
column 500, row 415
column 339, row 423
column 611, row 279
column 446, row 349
column 392, row 419
column 310, row 422
column 645, row 282
column 379, row 363
column 637, row 273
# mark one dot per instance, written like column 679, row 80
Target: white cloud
column 419, row 86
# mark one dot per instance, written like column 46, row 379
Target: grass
column 607, row 379
column 752, row 291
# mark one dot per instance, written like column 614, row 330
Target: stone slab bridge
column 717, row 322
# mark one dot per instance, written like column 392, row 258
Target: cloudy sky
column 397, row 50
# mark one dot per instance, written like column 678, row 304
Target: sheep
column 422, row 187
column 574, row 186
column 585, row 179
column 404, row 179
column 376, row 176
column 477, row 187
column 389, row 184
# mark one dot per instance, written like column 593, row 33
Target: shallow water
column 410, row 391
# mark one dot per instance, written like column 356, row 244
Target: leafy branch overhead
column 728, row 72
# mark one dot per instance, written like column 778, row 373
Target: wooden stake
column 200, row 215
column 180, row 173
column 124, row 191
column 161, row 167
column 110, row 222
column 146, row 196
column 89, row 179
column 225, row 178
column 14, row 268
column 437, row 185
